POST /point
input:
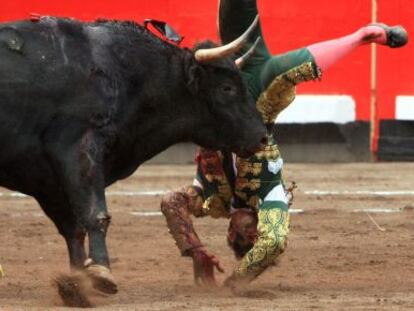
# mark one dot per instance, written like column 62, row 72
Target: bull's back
column 44, row 71
column 34, row 53
column 43, row 58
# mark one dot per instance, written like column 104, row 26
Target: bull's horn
column 245, row 57
column 208, row 55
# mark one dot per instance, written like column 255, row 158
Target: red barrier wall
column 288, row 24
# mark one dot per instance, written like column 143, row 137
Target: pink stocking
column 329, row 52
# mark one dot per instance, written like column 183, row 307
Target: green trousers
column 235, row 16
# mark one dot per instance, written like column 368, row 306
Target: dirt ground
column 338, row 258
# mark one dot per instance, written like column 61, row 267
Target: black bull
column 82, row 105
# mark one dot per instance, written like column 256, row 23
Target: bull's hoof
column 72, row 289
column 102, row 279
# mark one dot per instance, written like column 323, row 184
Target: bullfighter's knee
column 273, row 229
column 275, row 244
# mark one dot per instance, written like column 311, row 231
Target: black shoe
column 397, row 36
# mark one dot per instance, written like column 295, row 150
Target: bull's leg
column 97, row 223
column 70, row 229
column 83, row 189
column 96, row 218
column 75, row 241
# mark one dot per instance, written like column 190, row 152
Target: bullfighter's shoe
column 102, row 278
column 397, row 36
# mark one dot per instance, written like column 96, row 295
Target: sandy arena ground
column 337, row 258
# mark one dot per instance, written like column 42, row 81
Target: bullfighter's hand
column 204, row 264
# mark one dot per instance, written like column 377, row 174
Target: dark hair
column 239, row 246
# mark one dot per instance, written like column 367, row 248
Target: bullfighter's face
column 242, row 232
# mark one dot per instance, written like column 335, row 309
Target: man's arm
column 209, row 195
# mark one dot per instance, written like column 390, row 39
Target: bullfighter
column 251, row 192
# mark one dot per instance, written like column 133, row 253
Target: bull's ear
column 194, row 73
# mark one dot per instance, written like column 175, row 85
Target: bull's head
column 214, row 79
